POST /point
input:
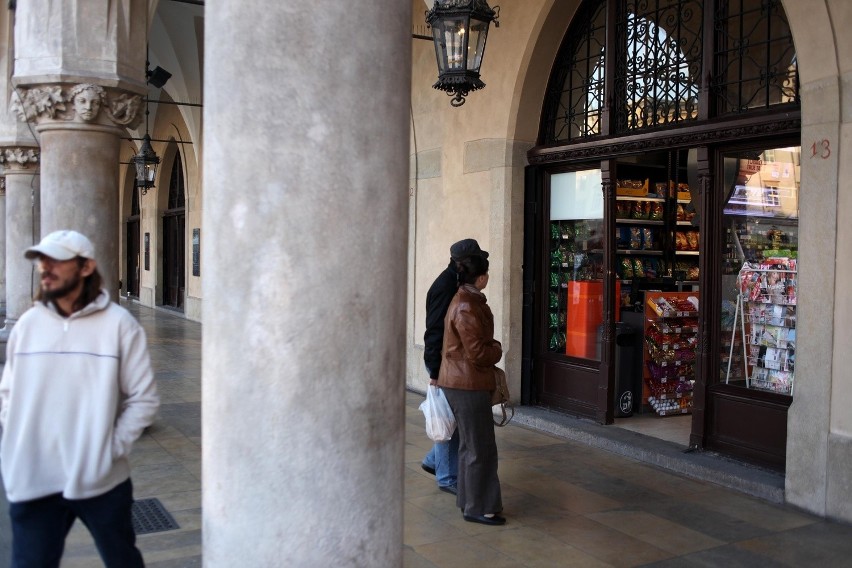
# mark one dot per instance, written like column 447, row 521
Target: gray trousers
column 478, row 485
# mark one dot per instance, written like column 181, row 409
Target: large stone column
column 19, row 156
column 2, row 247
column 79, row 84
column 20, row 165
column 304, row 278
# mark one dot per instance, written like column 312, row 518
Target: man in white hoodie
column 77, row 391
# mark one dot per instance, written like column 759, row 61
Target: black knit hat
column 466, row 248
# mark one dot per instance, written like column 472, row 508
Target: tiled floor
column 567, row 504
column 166, row 461
column 671, row 428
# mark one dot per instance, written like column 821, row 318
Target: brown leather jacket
column 470, row 350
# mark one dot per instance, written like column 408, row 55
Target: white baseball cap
column 62, row 245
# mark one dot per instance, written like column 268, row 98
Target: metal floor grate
column 149, row 516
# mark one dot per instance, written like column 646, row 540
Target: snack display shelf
column 651, row 227
column 647, row 252
column 640, row 198
column 671, row 328
column 626, row 221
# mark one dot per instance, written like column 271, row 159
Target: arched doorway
column 654, row 112
column 134, row 250
column 174, row 239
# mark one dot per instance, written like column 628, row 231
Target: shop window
column 575, row 272
column 759, row 269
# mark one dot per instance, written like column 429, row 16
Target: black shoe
column 449, row 488
column 495, row 520
column 427, row 469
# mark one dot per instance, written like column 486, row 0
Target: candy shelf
column 656, row 242
column 671, row 327
column 576, row 269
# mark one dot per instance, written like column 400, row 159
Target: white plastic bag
column 440, row 421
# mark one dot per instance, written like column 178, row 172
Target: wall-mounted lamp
column 459, row 31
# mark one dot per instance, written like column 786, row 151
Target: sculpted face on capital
column 87, row 104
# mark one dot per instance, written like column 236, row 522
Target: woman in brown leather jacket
column 467, row 379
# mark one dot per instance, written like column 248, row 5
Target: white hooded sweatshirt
column 76, row 393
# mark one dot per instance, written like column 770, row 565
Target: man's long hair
column 91, row 288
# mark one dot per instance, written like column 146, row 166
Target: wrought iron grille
column 658, row 50
column 755, row 57
column 658, row 71
column 574, row 101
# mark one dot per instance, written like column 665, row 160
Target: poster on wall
column 196, row 252
column 147, row 251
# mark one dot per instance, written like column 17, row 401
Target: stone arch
column 539, row 54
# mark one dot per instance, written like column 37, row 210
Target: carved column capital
column 17, row 158
column 81, row 103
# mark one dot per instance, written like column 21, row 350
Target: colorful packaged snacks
column 648, row 239
column 555, row 231
column 557, row 341
column 635, row 238
column 638, row 268
column 554, row 279
column 656, row 212
column 670, row 372
column 556, row 320
column 692, row 240
column 640, row 210
column 625, row 268
column 623, row 209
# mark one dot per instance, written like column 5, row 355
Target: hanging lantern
column 459, row 31
column 146, row 162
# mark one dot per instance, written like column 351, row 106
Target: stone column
column 20, row 165
column 2, row 247
column 79, row 85
column 305, row 219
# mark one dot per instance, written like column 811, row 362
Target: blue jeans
column 444, row 459
column 39, row 528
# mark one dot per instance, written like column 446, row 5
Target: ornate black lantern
column 459, row 30
column 145, row 162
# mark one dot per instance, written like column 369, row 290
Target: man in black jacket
column 442, row 459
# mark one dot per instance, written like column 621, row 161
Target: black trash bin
column 625, row 396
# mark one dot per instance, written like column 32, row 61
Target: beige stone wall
column 467, row 168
